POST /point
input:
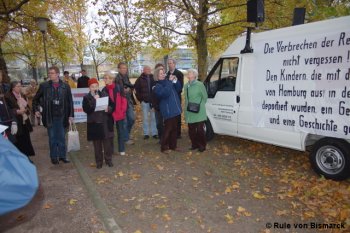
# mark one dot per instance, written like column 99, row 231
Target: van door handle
column 238, row 99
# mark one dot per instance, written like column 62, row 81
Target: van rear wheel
column 330, row 157
column 209, row 132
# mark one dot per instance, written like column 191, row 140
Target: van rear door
column 223, row 97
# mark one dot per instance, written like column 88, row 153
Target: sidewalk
column 62, row 206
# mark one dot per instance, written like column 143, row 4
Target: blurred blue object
column 18, row 178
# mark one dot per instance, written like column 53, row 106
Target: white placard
column 101, row 104
column 78, row 95
column 303, row 83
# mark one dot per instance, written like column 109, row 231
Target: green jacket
column 196, row 92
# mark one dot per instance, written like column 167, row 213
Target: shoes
column 109, row 164
column 178, row 149
column 155, row 136
column 193, row 148
column 64, row 160
column 201, row 149
column 99, row 166
column 146, row 137
column 130, row 142
column 165, row 151
column 122, row 153
column 54, row 161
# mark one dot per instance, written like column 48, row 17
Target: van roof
column 303, row 29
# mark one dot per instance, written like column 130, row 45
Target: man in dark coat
column 123, row 77
column 180, row 77
column 58, row 112
column 83, row 81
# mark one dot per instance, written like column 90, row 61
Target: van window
column 223, row 78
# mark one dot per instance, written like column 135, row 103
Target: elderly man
column 173, row 72
column 56, row 99
column 123, row 78
column 143, row 88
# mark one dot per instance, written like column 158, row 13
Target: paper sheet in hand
column 101, row 104
column 3, row 128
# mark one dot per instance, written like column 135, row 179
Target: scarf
column 110, row 88
column 22, row 103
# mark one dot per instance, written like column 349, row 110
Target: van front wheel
column 209, row 132
column 331, row 158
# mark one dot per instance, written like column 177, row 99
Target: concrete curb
column 105, row 214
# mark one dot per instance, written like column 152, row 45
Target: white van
column 292, row 90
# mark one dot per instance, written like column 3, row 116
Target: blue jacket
column 169, row 101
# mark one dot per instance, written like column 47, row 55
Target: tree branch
column 225, row 24
column 221, row 9
column 167, row 28
column 16, row 8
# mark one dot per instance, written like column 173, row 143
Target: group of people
column 159, row 95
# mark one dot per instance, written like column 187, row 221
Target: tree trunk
column 97, row 74
column 35, row 73
column 201, row 40
column 3, row 67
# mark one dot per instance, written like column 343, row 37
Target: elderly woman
column 30, row 92
column 195, row 97
column 116, row 94
column 170, row 108
column 19, row 105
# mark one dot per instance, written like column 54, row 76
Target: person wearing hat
column 99, row 124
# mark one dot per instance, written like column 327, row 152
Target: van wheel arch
column 330, row 157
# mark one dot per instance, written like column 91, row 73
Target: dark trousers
column 179, row 120
column 169, row 137
column 57, row 139
column 103, row 149
column 160, row 123
column 197, row 135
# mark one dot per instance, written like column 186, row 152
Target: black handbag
column 193, row 107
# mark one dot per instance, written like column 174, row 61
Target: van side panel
column 246, row 128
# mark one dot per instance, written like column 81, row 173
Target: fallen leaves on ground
column 229, row 218
column 72, row 201
column 258, row 195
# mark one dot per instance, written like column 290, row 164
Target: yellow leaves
column 234, row 186
column 258, row 195
column 47, row 206
column 166, row 217
column 103, row 180
column 344, row 214
column 228, row 190
column 160, row 168
column 243, row 211
column 72, row 201
column 135, row 176
column 161, row 206
column 138, row 231
column 195, row 178
column 120, row 174
column 229, row 218
column 309, row 214
column 282, row 212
